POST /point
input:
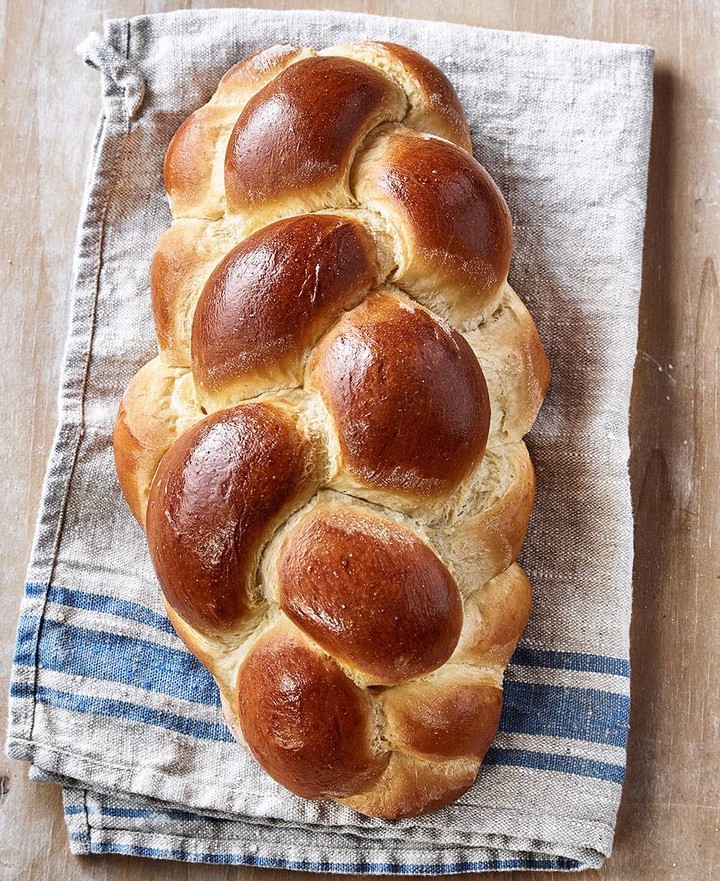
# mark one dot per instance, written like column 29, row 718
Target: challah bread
column 327, row 453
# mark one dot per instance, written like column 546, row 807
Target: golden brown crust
column 495, row 617
column 451, row 217
column 184, row 258
column 135, row 462
column 304, row 720
column 249, row 75
column 515, row 365
column 438, row 110
column 152, row 414
column 488, row 537
column 205, row 535
column 189, row 182
column 407, row 396
column 193, row 176
column 293, row 144
column 433, row 105
column 454, row 716
column 267, row 303
column 412, row 786
column 343, row 573
column 338, row 548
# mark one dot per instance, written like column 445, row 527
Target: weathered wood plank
column 669, row 818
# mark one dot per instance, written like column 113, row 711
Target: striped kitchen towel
column 104, row 698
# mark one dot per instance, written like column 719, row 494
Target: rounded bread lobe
column 370, row 592
column 495, row 617
column 221, row 488
column 144, row 431
column 438, row 110
column 248, row 76
column 193, row 180
column 454, row 220
column 189, row 170
column 407, row 396
column 292, row 147
column 450, row 716
column 511, row 354
column 158, row 405
column 185, row 255
column 270, row 300
column 434, row 105
column 307, row 724
column 490, row 534
column 412, row 786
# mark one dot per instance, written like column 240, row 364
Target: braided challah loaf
column 327, row 453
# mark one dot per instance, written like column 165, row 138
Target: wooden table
column 670, row 814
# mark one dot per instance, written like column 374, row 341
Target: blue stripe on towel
column 217, row 731
column 26, row 641
column 33, row 590
column 562, row 764
column 127, row 710
column 565, row 711
column 101, row 655
column 583, row 663
column 132, row 611
column 95, row 602
column 147, row 814
column 530, row 708
column 361, row 866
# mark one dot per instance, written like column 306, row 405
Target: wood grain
column 670, row 815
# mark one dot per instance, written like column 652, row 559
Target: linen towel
column 105, row 699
